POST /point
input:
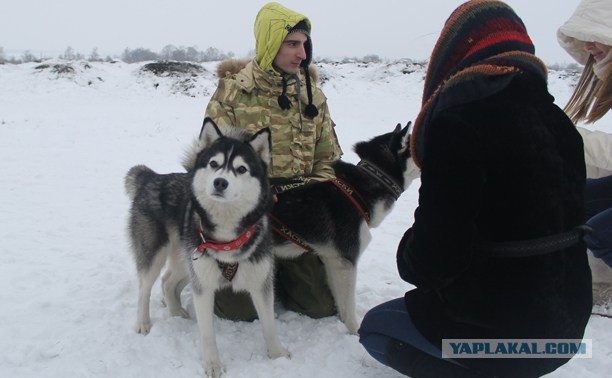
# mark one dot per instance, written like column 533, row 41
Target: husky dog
column 211, row 224
column 332, row 219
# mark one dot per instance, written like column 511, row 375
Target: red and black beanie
column 476, row 30
column 482, row 47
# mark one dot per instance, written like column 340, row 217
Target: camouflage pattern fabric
column 247, row 97
column 300, row 145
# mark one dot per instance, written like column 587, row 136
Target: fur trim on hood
column 590, row 22
column 233, row 66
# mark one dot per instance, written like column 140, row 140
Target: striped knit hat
column 482, row 46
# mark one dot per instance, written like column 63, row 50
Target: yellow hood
column 272, row 25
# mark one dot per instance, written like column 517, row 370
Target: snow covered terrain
column 69, row 131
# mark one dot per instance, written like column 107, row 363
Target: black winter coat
column 505, row 168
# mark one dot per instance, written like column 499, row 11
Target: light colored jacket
column 247, row 97
column 591, row 22
column 597, row 152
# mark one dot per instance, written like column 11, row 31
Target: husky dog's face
column 230, row 168
column 227, row 175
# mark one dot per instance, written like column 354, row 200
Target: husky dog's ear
column 262, row 144
column 408, row 126
column 404, row 136
column 209, row 133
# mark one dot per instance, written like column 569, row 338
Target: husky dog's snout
column 220, row 184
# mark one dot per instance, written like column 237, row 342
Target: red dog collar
column 224, row 246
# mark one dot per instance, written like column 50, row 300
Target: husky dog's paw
column 213, row 368
column 179, row 312
column 143, row 328
column 352, row 326
column 176, row 309
column 279, row 351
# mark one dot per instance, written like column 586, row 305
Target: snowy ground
column 67, row 277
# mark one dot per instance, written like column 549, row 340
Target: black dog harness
column 356, row 199
column 360, row 204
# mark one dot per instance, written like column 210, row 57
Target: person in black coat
column 495, row 251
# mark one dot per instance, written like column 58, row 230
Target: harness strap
column 228, row 270
column 280, row 228
column 538, row 246
column 350, row 193
column 354, row 196
column 283, row 184
column 358, row 201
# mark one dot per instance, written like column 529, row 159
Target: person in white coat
column 587, row 37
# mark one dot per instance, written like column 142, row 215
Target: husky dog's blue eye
column 213, row 164
column 242, row 169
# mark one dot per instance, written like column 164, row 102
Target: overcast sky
column 354, row 28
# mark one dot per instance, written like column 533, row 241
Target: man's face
column 291, row 53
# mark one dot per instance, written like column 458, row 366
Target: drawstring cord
column 283, row 101
column 298, row 96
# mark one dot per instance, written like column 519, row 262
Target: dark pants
column 600, row 241
column 388, row 334
column 597, row 196
column 300, row 285
column 598, row 206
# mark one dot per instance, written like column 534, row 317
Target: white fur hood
column 591, row 22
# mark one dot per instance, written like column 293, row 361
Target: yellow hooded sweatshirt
column 272, row 26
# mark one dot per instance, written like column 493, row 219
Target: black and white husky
column 212, row 226
column 333, row 218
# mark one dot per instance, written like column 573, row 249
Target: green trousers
column 300, row 285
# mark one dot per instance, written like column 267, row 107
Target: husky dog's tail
column 135, row 177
